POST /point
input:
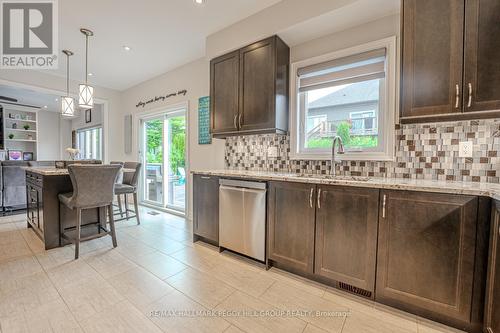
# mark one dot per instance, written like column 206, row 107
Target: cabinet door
column 432, row 57
column 224, row 90
column 291, row 210
column 206, row 207
column 482, row 46
column 346, row 235
column 492, row 311
column 257, row 86
column 426, row 253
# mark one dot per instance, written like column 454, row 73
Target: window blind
column 355, row 68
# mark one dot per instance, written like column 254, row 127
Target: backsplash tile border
column 423, row 151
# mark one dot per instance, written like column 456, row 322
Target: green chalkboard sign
column 204, row 136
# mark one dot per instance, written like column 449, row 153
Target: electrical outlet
column 272, row 152
column 465, row 149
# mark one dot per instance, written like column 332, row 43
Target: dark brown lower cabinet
column 291, row 210
column 346, row 235
column 492, row 308
column 426, row 254
column 206, row 208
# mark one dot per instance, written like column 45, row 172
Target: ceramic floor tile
column 196, row 258
column 313, row 329
column 56, row 257
column 139, row 286
column 52, row 316
column 35, row 244
column 89, row 297
column 296, row 281
column 161, row 265
column 354, row 303
column 253, row 315
column 323, row 313
column 378, row 321
column 120, row 318
column 233, row 329
column 70, row 273
column 166, row 245
column 19, row 267
column 109, row 262
column 176, row 312
column 11, row 250
column 201, row 287
column 427, row 326
column 243, row 277
column 134, row 250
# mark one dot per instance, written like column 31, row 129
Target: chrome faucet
column 333, row 169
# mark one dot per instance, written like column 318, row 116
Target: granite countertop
column 51, row 171
column 440, row 186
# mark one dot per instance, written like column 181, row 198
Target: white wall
column 95, row 119
column 49, row 139
column 194, row 77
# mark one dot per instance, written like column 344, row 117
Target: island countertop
column 440, row 186
column 51, row 171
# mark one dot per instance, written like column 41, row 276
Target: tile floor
column 158, row 280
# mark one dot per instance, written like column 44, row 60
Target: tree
column 344, row 131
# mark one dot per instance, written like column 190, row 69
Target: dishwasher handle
column 241, row 189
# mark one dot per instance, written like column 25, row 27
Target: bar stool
column 119, row 180
column 93, row 187
column 129, row 186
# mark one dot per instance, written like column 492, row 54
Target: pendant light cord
column 67, row 75
column 86, row 58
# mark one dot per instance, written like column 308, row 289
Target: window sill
column 378, row 156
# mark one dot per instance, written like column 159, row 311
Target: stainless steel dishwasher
column 242, row 217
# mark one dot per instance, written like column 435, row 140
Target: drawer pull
column 205, row 177
column 469, row 104
column 383, row 206
column 319, row 198
column 311, row 197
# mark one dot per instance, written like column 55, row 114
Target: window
column 351, row 94
column 89, row 143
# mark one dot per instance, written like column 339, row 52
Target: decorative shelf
column 20, row 130
column 20, row 140
column 25, row 120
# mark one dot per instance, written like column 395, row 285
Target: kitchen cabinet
column 449, row 50
column 426, row 254
column 224, row 90
column 291, row 218
column 34, row 206
column 492, row 308
column 206, row 208
column 482, row 46
column 346, row 235
column 249, row 89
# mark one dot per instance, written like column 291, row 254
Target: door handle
column 319, row 198
column 311, row 197
column 383, row 205
column 469, row 104
column 234, row 121
column 239, row 121
column 457, row 96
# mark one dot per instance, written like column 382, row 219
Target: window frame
column 89, row 129
column 388, row 102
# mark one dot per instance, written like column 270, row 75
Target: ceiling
column 162, row 35
column 349, row 16
column 31, row 97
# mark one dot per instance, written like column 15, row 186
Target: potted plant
column 26, row 127
column 11, row 136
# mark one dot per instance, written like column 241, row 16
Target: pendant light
column 86, row 92
column 67, row 102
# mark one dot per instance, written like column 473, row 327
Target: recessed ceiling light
column 90, row 74
column 199, row 2
column 57, row 99
column 45, row 106
column 126, row 48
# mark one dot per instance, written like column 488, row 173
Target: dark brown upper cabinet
column 291, row 216
column 206, row 208
column 426, row 254
column 482, row 47
column 249, row 89
column 492, row 309
column 449, row 65
column 346, row 235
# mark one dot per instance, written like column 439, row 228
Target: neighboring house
column 356, row 103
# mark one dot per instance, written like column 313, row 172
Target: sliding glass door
column 164, row 157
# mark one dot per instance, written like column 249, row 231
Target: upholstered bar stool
column 93, row 187
column 119, row 180
column 129, row 186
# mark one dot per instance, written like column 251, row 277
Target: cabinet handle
column 239, row 121
column 469, row 104
column 311, row 197
column 457, row 96
column 319, row 198
column 204, row 177
column 383, row 205
column 234, row 121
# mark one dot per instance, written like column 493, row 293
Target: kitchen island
column 43, row 185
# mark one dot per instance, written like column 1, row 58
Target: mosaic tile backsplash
column 423, row 151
